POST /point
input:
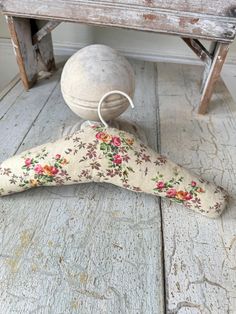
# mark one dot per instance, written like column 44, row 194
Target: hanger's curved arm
column 105, row 96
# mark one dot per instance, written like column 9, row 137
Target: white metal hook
column 108, row 94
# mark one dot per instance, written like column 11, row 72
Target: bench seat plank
column 134, row 15
column 214, row 7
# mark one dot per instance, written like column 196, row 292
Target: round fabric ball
column 92, row 72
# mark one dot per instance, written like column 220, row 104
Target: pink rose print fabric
column 109, row 155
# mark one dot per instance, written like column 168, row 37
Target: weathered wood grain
column 30, row 58
column 214, row 60
column 9, row 86
column 215, row 7
column 96, row 248
column 20, row 31
column 208, row 64
column 44, row 47
column 197, row 47
column 213, row 20
column 146, row 16
column 88, row 248
column 18, row 111
column 213, row 75
column 200, row 254
column 42, row 32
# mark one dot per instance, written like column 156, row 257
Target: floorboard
column 200, row 254
column 19, row 110
column 95, row 248
column 91, row 248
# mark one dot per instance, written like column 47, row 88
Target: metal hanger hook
column 108, row 94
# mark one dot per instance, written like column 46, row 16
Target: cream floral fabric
column 102, row 154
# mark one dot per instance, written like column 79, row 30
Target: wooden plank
column 198, row 49
column 199, row 252
column 128, row 15
column 18, row 110
column 20, row 31
column 9, row 99
column 90, row 248
column 212, row 74
column 9, row 86
column 212, row 7
column 47, row 28
column 215, row 7
column 208, row 64
column 30, row 58
column 44, row 49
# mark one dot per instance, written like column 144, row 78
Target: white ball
column 92, row 72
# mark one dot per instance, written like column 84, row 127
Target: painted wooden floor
column 95, row 248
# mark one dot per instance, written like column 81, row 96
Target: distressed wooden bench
column 30, row 23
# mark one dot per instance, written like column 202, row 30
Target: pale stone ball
column 89, row 74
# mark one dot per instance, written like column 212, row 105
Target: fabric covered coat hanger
column 99, row 153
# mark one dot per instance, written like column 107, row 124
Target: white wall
column 8, row 66
column 132, row 43
column 70, row 37
column 73, row 33
column 3, row 28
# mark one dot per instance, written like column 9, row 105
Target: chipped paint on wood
column 199, row 253
column 208, row 22
column 212, row 75
column 212, row 7
column 45, row 30
column 194, row 21
column 31, row 59
column 19, row 251
column 149, row 17
column 25, row 55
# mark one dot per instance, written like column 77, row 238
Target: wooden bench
column 30, row 23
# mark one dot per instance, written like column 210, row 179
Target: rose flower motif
column 183, row 196
column 38, row 169
column 160, row 185
column 64, row 161
column 54, row 170
column 130, row 141
column 171, row 193
column 104, row 137
column 28, row 162
column 116, row 141
column 117, row 159
column 188, row 197
column 180, row 195
column 50, row 170
column 33, row 183
column 200, row 190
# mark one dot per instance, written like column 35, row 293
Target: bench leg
column 212, row 74
column 208, row 63
column 44, row 47
column 30, row 58
column 214, row 59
